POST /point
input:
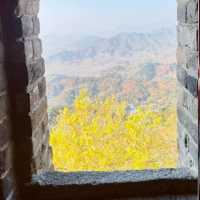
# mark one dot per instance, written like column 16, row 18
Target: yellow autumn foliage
column 99, row 135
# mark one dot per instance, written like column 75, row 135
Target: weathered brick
column 37, row 48
column 187, row 37
column 35, row 70
column 8, row 186
column 188, row 60
column 181, row 11
column 29, row 52
column 192, row 11
column 43, row 158
column 188, row 81
column 188, row 123
column 5, row 161
column 193, row 151
column 37, row 93
column 40, row 136
column 182, row 138
column 27, row 25
column 25, row 7
column 5, row 128
column 3, row 105
column 187, row 11
column 26, row 75
column 188, row 101
column 2, row 163
column 39, row 113
column 36, row 26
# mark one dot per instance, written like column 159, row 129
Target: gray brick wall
column 25, row 66
column 187, row 75
column 22, row 88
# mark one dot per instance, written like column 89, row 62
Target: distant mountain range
column 137, row 67
column 123, row 44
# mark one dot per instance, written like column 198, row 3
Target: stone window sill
column 101, row 185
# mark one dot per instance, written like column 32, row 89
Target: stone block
column 27, row 25
column 187, row 37
column 188, row 60
column 192, row 11
column 30, row 25
column 193, row 151
column 36, row 26
column 187, row 81
column 25, row 74
column 187, row 11
column 188, row 123
column 188, row 101
column 181, row 11
column 25, row 7
column 5, row 161
column 29, row 52
column 37, row 93
column 37, row 48
column 43, row 160
column 3, row 105
column 8, row 186
column 40, row 136
column 39, row 114
column 5, row 128
column 35, row 70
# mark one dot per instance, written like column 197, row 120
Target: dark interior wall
column 7, row 186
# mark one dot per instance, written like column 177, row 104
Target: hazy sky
column 105, row 17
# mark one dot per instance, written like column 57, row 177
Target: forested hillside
column 112, row 102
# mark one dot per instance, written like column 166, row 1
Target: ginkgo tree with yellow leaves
column 99, row 135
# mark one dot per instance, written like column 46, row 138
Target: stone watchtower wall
column 187, row 75
column 24, row 126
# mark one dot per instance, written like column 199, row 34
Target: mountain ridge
column 121, row 44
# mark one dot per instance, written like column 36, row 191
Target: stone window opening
column 25, row 153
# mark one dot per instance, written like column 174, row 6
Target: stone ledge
column 97, row 178
column 98, row 185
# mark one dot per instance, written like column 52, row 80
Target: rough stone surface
column 99, row 185
column 22, row 88
column 187, row 75
column 188, row 81
column 97, row 178
column 188, row 60
column 188, row 101
column 187, row 11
